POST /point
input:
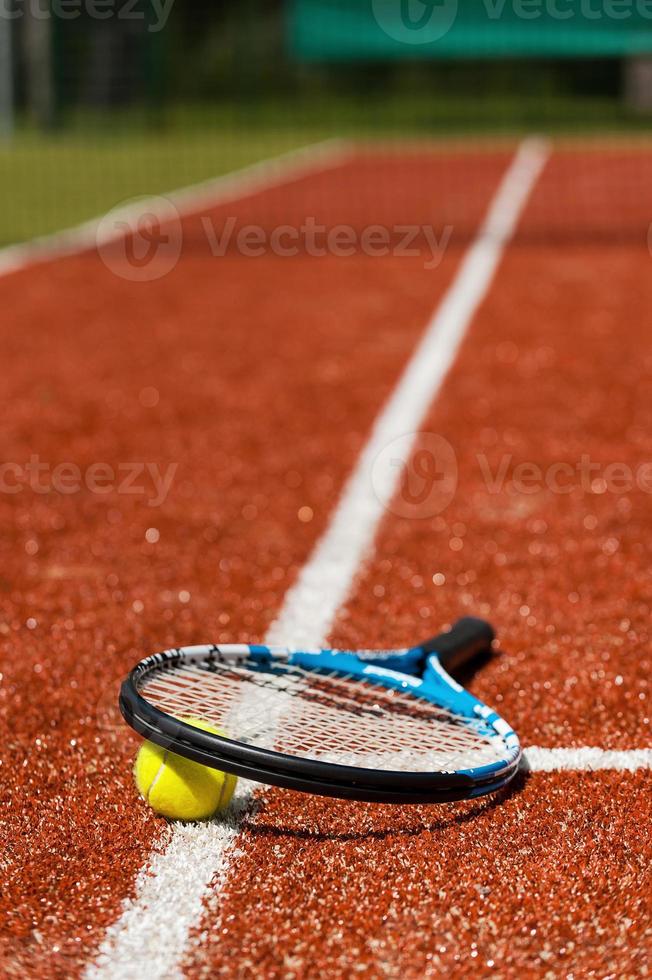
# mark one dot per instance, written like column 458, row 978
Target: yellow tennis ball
column 180, row 788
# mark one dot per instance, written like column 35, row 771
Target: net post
column 638, row 83
column 39, row 32
column 6, row 73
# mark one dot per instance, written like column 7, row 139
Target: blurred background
column 104, row 100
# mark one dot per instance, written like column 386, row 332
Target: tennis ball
column 180, row 788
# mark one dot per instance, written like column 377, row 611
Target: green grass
column 57, row 182
column 91, row 164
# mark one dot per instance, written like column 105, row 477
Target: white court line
column 151, row 935
column 585, row 759
column 188, row 858
column 324, row 583
column 262, row 176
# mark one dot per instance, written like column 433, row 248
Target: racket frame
column 312, row 775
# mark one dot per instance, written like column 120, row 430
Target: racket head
column 331, row 709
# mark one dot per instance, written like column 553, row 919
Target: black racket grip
column 468, row 637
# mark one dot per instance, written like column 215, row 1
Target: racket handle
column 468, row 637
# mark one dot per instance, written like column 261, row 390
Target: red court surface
column 255, row 383
column 554, row 880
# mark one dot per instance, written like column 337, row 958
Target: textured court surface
column 259, row 381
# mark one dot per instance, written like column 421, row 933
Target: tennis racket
column 357, row 726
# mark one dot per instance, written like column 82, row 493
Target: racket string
column 324, row 716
